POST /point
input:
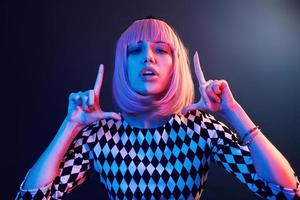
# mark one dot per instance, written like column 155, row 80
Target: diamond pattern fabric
column 167, row 162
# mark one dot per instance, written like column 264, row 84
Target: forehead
column 149, row 30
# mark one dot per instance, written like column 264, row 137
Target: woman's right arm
column 83, row 109
column 47, row 166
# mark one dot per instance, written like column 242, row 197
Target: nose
column 149, row 55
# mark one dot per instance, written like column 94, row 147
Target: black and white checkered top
column 167, row 162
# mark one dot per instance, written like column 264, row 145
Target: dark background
column 52, row 48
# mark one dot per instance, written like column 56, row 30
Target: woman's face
column 149, row 66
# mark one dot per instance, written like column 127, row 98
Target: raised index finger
column 198, row 70
column 99, row 80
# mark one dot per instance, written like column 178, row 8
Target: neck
column 145, row 119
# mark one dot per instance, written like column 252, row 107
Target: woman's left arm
column 217, row 97
column 269, row 163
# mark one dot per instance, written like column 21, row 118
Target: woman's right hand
column 84, row 107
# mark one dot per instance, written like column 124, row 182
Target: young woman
column 161, row 144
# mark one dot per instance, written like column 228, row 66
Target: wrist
column 70, row 121
column 232, row 112
column 239, row 119
column 72, row 125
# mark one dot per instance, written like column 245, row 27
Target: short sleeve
column 74, row 169
column 236, row 159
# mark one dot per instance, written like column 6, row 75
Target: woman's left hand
column 215, row 95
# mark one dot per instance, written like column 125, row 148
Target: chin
column 152, row 90
column 151, row 93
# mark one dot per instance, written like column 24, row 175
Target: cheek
column 133, row 76
column 169, row 65
column 168, row 60
column 133, row 64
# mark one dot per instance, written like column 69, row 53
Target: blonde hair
column 180, row 92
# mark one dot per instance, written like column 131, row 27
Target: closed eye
column 162, row 50
column 134, row 50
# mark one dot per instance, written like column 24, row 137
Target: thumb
column 188, row 108
column 113, row 115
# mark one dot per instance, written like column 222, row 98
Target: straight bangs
column 149, row 30
column 180, row 91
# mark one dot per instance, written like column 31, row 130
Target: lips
column 149, row 72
